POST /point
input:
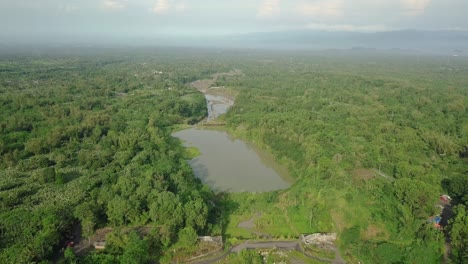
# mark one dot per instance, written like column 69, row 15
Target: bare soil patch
column 203, row 85
column 340, row 222
column 374, row 231
column 363, row 174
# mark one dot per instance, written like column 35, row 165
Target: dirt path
column 447, row 253
column 250, row 226
column 338, row 259
column 446, row 214
column 383, row 175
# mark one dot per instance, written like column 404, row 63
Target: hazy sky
column 150, row 18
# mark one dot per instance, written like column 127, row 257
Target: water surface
column 228, row 164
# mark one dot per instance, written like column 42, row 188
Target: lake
column 231, row 165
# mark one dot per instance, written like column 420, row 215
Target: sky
column 152, row 18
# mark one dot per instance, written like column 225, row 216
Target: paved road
column 285, row 245
column 292, row 245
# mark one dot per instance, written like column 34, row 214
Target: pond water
column 229, row 164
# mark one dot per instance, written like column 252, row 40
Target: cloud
column 161, row 6
column 269, row 8
column 347, row 27
column 322, row 8
column 114, row 4
column 165, row 6
column 415, row 7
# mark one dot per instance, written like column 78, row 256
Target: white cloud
column 322, row 8
column 161, row 6
column 415, row 7
column 114, row 4
column 165, row 6
column 347, row 27
column 269, row 8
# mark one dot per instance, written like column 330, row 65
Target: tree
column 388, row 253
column 456, row 187
column 135, row 251
column 119, row 210
column 196, row 213
column 85, row 213
column 45, row 175
column 459, row 233
column 187, row 237
column 418, row 195
column 69, row 256
column 249, row 257
column 166, row 209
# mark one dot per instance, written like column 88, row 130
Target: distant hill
column 446, row 42
column 442, row 41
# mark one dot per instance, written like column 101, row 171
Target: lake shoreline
column 271, row 175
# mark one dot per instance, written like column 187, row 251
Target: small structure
column 436, row 221
column 445, row 198
column 99, row 245
column 323, row 240
column 218, row 240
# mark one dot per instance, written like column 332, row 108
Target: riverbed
column 217, row 105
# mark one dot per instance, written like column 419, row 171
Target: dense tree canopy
column 86, row 141
column 332, row 117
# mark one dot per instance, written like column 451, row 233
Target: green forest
column 332, row 119
column 86, row 142
column 371, row 140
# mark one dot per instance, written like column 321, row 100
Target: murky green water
column 228, row 164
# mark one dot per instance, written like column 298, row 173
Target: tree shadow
column 223, row 208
